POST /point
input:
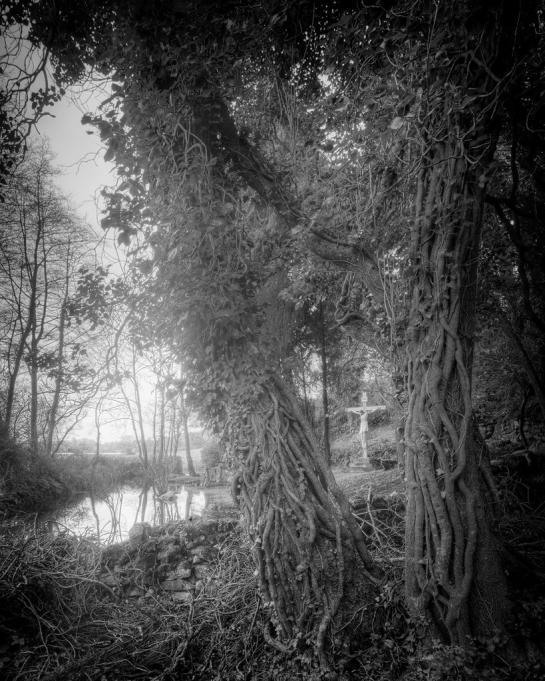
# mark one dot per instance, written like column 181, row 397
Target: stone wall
column 176, row 558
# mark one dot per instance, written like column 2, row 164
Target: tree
column 453, row 569
column 135, row 372
column 42, row 245
column 514, row 257
column 184, row 413
column 28, row 87
column 293, row 509
column 510, row 343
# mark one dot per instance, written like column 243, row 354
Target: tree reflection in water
column 110, row 519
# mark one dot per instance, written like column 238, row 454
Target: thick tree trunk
column 310, row 553
column 453, row 571
column 325, row 399
column 453, row 568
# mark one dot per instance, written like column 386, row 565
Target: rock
column 166, row 539
column 183, row 572
column 115, row 555
column 174, row 556
column 161, row 572
column 139, row 533
column 202, row 572
column 169, row 553
column 148, row 578
column 201, row 554
column 147, row 560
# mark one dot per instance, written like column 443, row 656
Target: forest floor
column 58, row 621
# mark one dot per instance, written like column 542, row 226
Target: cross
column 363, row 410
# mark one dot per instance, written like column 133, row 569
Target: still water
column 109, row 519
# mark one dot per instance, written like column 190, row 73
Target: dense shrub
column 59, row 621
column 33, row 483
column 27, row 482
column 82, row 473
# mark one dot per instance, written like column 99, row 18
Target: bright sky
column 79, row 156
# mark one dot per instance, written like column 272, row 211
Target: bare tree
column 41, row 247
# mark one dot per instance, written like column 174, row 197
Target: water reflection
column 110, row 519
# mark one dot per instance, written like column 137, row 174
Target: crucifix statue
column 363, row 410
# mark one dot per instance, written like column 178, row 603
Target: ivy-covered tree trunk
column 312, row 563
column 325, row 397
column 453, row 568
column 453, row 571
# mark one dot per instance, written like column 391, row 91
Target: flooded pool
column 109, row 519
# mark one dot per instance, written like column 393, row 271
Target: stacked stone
column 174, row 559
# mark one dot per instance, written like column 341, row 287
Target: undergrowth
column 27, row 482
column 58, row 621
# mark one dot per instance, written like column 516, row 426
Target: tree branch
column 216, row 129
